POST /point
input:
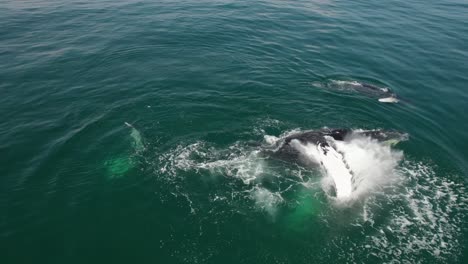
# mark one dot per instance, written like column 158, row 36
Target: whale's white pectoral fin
column 136, row 136
column 390, row 99
column 335, row 167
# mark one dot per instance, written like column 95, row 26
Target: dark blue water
column 205, row 84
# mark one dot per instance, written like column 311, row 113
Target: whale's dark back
column 286, row 152
column 316, row 137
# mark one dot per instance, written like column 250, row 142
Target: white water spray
column 332, row 164
column 356, row 166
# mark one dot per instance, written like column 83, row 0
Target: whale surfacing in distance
column 383, row 94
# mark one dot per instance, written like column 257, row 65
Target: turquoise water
column 202, row 83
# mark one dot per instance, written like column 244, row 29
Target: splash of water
column 332, row 164
column 403, row 209
column 354, row 167
column 373, row 164
column 424, row 214
column 266, row 199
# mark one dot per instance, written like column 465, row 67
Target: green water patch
column 117, row 167
column 308, row 208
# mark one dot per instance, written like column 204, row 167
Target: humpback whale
column 285, row 149
column 316, row 148
column 384, row 94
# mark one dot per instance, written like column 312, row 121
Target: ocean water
column 133, row 131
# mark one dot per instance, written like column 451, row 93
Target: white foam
column 372, row 163
column 345, row 83
column 266, row 199
column 357, row 167
column 271, row 140
column 332, row 163
column 234, row 162
column 245, row 167
column 238, row 162
column 384, row 89
column 424, row 215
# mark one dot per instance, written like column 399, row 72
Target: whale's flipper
column 137, row 138
column 319, row 148
column 390, row 99
column 117, row 166
column 335, row 167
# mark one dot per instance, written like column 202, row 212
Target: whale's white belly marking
column 333, row 163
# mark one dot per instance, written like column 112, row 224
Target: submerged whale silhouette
column 315, row 148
